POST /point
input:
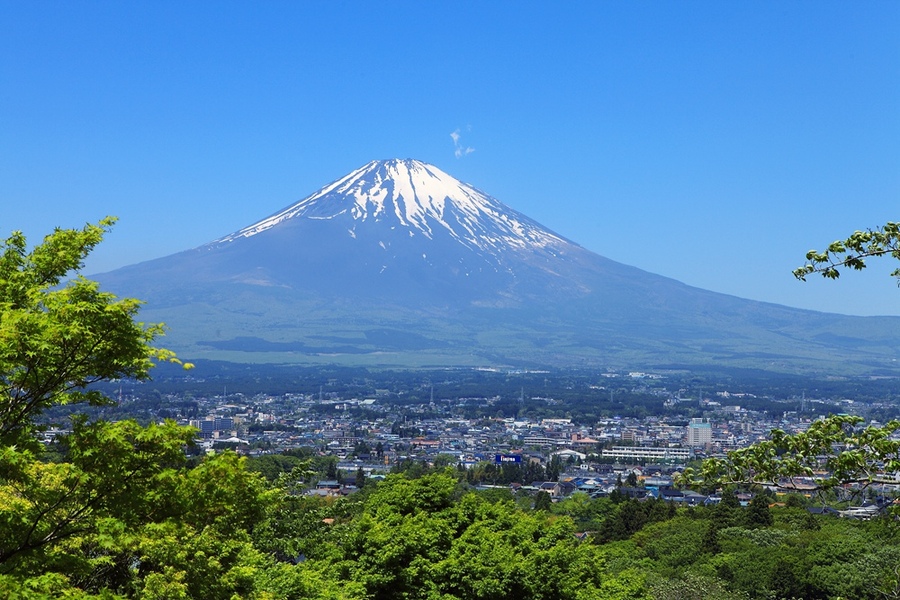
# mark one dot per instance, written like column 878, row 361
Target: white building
column 699, row 432
column 648, row 453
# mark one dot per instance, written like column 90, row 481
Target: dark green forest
column 223, row 529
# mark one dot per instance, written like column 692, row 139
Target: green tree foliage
column 360, row 480
column 116, row 511
column 710, row 541
column 758, row 513
column 587, row 513
column 554, row 468
column 122, row 513
column 444, row 460
column 56, row 339
column 276, row 467
column 726, row 512
column 113, row 471
column 496, row 495
column 694, row 587
column 427, row 538
column 837, row 558
column 673, row 544
column 542, row 501
column 630, row 516
column 847, row 452
column 525, row 473
column 853, row 252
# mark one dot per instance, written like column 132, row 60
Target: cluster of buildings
column 371, row 435
column 628, row 441
column 377, row 434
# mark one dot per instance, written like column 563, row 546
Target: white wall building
column 699, row 432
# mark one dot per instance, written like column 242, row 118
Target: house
column 670, row 495
column 633, row 492
column 567, row 454
column 821, row 510
column 692, row 498
column 328, row 488
column 556, row 489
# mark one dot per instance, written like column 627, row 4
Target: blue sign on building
column 507, row 458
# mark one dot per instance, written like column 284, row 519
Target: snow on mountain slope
column 402, row 263
column 420, row 198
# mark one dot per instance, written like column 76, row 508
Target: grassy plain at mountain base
column 302, row 330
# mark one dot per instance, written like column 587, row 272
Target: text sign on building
column 507, row 458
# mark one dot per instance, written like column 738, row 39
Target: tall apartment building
column 699, row 432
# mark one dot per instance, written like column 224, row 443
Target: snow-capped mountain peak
column 414, row 195
column 400, row 264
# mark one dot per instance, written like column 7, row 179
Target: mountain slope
column 399, row 264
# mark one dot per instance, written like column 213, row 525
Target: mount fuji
column 398, row 264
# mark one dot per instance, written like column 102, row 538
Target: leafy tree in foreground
column 429, row 539
column 92, row 515
column 56, row 340
column 114, row 471
column 853, row 252
column 116, row 512
column 835, row 446
column 838, row 445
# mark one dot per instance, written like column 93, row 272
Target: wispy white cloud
column 459, row 149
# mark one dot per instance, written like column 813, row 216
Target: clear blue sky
column 710, row 142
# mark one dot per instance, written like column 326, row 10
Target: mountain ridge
column 400, row 246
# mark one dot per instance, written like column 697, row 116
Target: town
column 588, row 432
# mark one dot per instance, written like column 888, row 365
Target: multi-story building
column 648, row 453
column 699, row 432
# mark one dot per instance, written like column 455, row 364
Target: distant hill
column 398, row 264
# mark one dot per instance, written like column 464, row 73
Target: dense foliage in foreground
column 220, row 530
